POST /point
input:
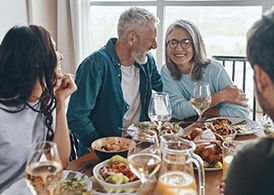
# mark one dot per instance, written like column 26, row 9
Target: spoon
column 126, row 129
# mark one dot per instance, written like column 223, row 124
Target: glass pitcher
column 177, row 173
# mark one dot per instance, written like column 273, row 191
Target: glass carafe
column 177, row 172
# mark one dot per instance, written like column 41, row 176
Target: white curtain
column 72, row 32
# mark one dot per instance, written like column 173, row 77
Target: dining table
column 213, row 179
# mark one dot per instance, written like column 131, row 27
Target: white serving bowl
column 133, row 184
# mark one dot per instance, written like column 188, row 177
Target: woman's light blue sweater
column 180, row 91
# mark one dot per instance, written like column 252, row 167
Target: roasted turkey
column 208, row 146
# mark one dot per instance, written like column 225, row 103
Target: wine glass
column 145, row 158
column 159, row 110
column 200, row 98
column 44, row 168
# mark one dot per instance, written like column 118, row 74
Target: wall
column 44, row 13
column 24, row 12
column 12, row 13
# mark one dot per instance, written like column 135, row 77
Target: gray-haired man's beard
column 140, row 58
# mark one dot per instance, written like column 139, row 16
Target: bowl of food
column 115, row 173
column 107, row 147
column 223, row 127
column 267, row 125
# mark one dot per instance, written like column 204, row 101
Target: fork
column 73, row 173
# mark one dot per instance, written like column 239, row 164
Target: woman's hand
column 233, row 95
column 66, row 88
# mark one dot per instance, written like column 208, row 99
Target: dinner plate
column 20, row 187
column 115, row 191
column 145, row 125
column 79, row 176
column 250, row 128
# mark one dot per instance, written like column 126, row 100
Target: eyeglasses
column 185, row 43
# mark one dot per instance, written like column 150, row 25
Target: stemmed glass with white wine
column 44, row 168
column 159, row 110
column 145, row 158
column 200, row 98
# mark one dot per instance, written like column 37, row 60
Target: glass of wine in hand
column 44, row 168
column 145, row 158
column 201, row 98
column 159, row 110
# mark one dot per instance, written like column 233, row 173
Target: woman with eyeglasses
column 186, row 63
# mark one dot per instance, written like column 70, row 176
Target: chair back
column 74, row 146
column 241, row 75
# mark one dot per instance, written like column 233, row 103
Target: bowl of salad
column 115, row 173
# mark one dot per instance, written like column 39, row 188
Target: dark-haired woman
column 32, row 106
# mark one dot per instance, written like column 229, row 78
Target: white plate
column 115, row 191
column 78, row 176
column 20, row 187
column 151, row 124
column 250, row 128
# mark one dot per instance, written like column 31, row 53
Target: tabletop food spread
column 208, row 140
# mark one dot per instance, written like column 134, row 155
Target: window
column 223, row 24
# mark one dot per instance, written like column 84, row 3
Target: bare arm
column 61, row 136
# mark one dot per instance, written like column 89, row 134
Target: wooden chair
column 237, row 68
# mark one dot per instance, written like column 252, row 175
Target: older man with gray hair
column 115, row 83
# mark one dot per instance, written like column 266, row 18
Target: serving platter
column 249, row 128
column 146, row 125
